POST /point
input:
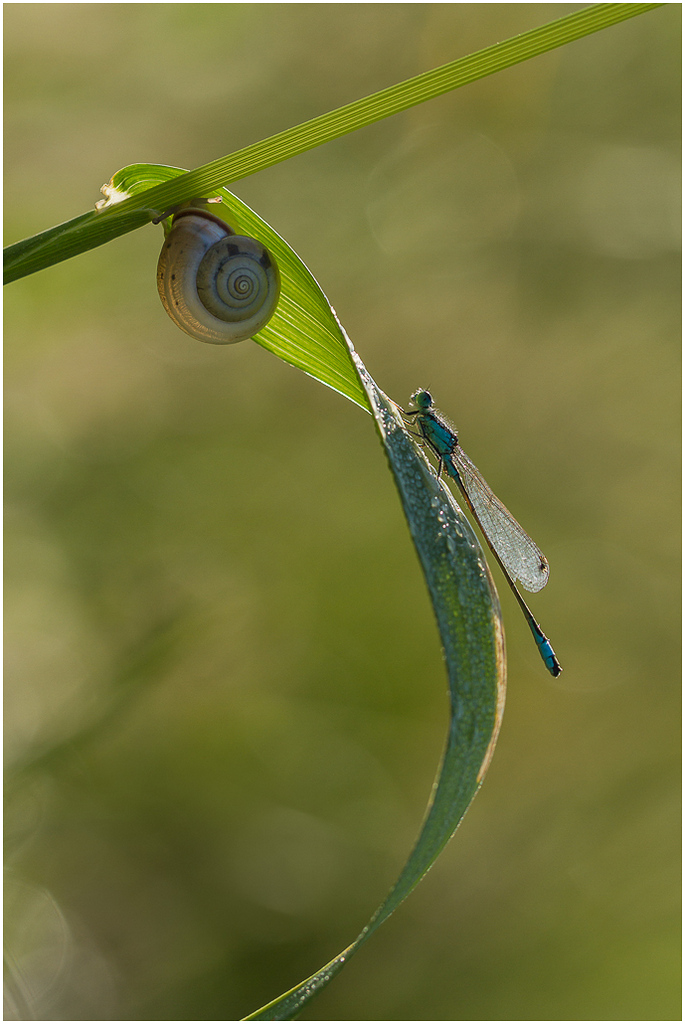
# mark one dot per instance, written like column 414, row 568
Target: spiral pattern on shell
column 217, row 286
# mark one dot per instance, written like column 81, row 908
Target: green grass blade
column 467, row 611
column 90, row 230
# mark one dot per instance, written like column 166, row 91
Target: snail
column 217, row 286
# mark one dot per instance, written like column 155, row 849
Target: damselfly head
column 423, row 399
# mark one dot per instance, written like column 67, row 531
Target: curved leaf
column 306, row 333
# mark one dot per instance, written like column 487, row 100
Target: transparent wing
column 519, row 554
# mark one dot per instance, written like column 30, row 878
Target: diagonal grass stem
column 90, row 230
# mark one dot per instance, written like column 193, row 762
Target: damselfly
column 518, row 556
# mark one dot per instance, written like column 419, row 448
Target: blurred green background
column 225, row 700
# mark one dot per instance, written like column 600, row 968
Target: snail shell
column 217, row 286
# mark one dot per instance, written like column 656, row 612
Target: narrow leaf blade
column 87, row 232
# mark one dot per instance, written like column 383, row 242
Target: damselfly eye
column 423, row 399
